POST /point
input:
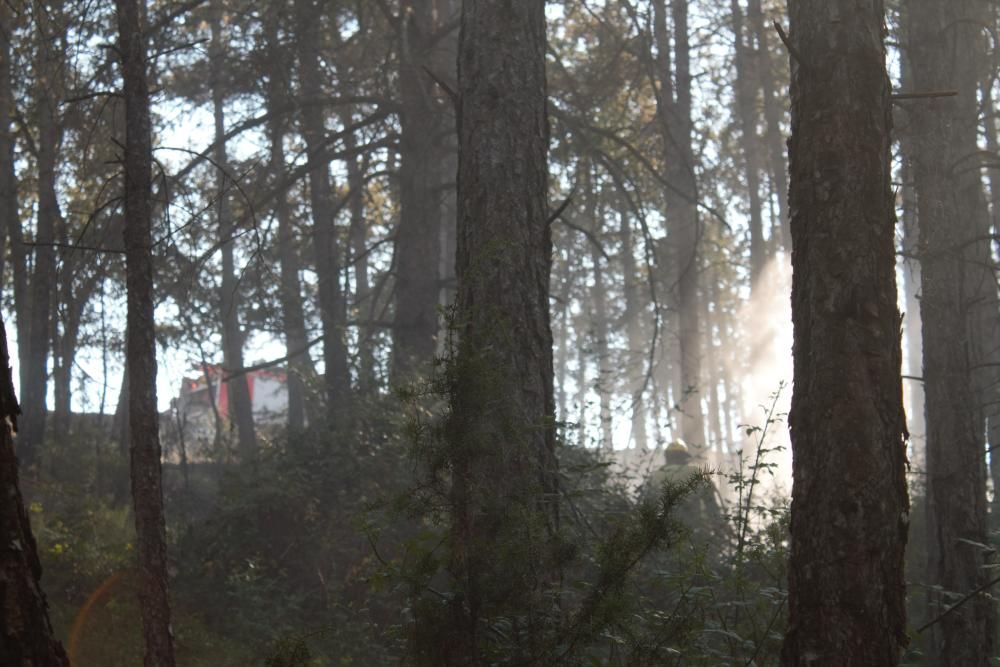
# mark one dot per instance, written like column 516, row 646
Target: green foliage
column 636, row 587
column 332, row 551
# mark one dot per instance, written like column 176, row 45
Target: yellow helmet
column 678, row 446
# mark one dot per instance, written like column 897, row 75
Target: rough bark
column 945, row 45
column 505, row 471
column 144, row 438
column 9, row 217
column 241, row 409
column 9, row 210
column 300, row 366
column 674, row 111
column 337, row 378
column 424, row 127
column 849, row 502
column 26, row 636
column 34, row 389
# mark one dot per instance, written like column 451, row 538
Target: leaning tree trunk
column 501, row 432
column 945, row 45
column 147, row 487
column 26, row 636
column 240, row 406
column 846, row 589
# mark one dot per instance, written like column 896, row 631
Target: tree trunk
column 241, row 409
column 300, row 367
column 579, row 327
column 674, row 111
column 849, row 504
column 337, row 377
column 774, row 135
column 358, row 235
column 26, row 636
column 746, row 104
column 505, row 471
column 637, row 352
column 49, row 91
column 147, row 487
column 599, row 312
column 563, row 279
column 945, row 47
column 9, row 207
column 421, row 187
column 64, row 356
column 9, row 215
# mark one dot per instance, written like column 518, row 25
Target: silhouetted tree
column 26, row 636
column 945, row 45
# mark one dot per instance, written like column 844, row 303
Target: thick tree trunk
column 9, row 212
column 147, row 487
column 300, row 366
column 337, row 377
column 35, row 379
column 945, row 46
column 241, row 409
column 26, row 636
column 423, row 146
column 849, row 504
column 505, row 471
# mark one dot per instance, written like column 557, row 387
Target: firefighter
column 700, row 511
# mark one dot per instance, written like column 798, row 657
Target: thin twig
column 958, row 604
column 562, row 207
column 924, row 95
column 788, row 44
